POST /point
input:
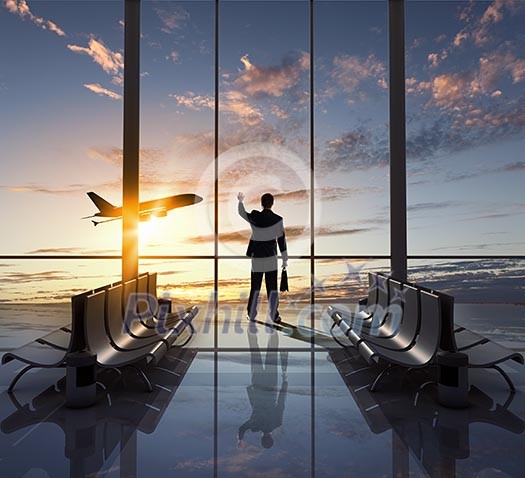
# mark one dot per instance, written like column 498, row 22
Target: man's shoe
column 277, row 320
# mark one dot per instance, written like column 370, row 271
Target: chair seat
column 36, row 354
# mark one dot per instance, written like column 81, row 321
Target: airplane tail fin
column 102, row 204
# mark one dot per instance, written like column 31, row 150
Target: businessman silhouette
column 266, row 400
column 267, row 233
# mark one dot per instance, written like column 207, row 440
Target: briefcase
column 284, row 281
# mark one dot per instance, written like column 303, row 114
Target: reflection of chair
column 92, row 434
column 437, row 436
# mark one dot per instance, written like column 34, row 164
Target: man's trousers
column 270, row 278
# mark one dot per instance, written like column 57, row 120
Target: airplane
column 155, row 207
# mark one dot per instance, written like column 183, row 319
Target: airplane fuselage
column 156, row 207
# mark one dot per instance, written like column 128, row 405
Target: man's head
column 267, row 440
column 267, row 201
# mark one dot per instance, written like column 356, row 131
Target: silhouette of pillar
column 398, row 214
column 130, row 166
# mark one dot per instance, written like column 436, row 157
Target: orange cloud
column 261, row 81
column 350, row 71
column 233, row 103
column 493, row 14
column 101, row 91
column 173, row 17
column 110, row 61
column 20, row 8
column 236, row 105
column 451, row 90
column 193, row 101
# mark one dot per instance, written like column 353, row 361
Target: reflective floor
column 274, row 406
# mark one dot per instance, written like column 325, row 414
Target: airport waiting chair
column 423, row 349
column 117, row 330
column 109, row 357
column 158, row 309
column 409, row 324
column 421, row 320
column 370, row 320
column 42, row 355
column 401, row 325
column 61, row 337
column 372, row 344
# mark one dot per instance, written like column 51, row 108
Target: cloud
column 31, row 277
column 360, row 148
column 241, row 237
column 156, row 172
column 453, row 89
column 493, row 14
column 193, row 101
column 20, row 8
column 234, row 104
column 479, row 28
column 459, row 39
column 326, row 194
column 350, row 71
column 111, row 62
column 483, row 281
column 101, row 91
column 279, row 112
column 517, row 166
column 458, row 92
column 173, row 56
column 459, row 126
column 495, row 64
column 172, row 16
column 57, row 250
column 432, row 206
column 73, row 250
column 36, row 188
column 272, row 81
column 435, row 59
column 238, row 108
column 149, row 157
column 201, row 145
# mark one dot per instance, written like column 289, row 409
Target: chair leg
column 506, row 377
column 149, row 387
column 381, row 375
column 18, row 377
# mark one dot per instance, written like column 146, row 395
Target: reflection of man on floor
column 267, row 233
column 267, row 403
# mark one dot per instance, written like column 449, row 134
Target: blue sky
column 60, row 97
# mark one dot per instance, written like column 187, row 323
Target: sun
column 146, row 230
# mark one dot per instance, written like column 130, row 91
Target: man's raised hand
column 240, row 197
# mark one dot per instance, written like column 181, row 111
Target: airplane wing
column 96, row 223
column 153, row 210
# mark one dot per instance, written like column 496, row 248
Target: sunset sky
column 61, row 75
